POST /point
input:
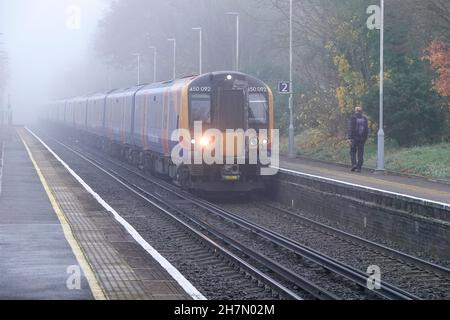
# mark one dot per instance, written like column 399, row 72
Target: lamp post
column 381, row 136
column 154, row 63
column 291, row 151
column 109, row 78
column 236, row 14
column 138, row 55
column 174, row 57
column 200, row 49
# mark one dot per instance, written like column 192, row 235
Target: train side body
column 60, row 111
column 80, row 112
column 96, row 114
column 69, row 113
column 119, row 113
column 138, row 124
column 159, row 113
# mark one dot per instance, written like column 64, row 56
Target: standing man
column 358, row 133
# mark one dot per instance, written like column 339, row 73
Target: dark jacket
column 356, row 122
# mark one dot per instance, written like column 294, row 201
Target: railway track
column 262, row 252
column 253, row 281
column 424, row 279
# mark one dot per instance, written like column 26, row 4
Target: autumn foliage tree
column 438, row 54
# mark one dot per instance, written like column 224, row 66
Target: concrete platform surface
column 53, row 231
column 407, row 186
column 34, row 255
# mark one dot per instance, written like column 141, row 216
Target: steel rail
column 431, row 267
column 387, row 290
column 275, row 267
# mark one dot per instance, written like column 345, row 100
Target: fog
column 335, row 56
column 43, row 44
column 52, row 55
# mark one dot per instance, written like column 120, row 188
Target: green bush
column 414, row 113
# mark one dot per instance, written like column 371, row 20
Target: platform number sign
column 284, row 87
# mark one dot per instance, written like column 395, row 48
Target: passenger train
column 140, row 123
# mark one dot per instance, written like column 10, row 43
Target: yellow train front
column 211, row 132
column 229, row 120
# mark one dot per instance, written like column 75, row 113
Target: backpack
column 360, row 127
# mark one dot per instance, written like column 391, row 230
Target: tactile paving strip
column 123, row 269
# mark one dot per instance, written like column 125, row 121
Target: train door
column 230, row 110
column 168, row 100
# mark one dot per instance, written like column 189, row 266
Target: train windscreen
column 258, row 109
column 201, row 108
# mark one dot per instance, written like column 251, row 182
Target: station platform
column 414, row 187
column 58, row 242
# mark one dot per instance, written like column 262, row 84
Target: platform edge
column 95, row 287
column 166, row 265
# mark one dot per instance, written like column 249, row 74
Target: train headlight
column 204, row 142
column 253, row 142
column 265, row 141
column 229, row 77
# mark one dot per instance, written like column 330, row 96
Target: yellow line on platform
column 95, row 287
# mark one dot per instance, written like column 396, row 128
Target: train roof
column 165, row 84
column 124, row 91
column 142, row 89
column 212, row 75
column 98, row 94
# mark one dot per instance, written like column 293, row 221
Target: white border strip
column 178, row 277
column 1, row 165
column 422, row 200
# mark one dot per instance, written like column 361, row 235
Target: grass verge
column 432, row 161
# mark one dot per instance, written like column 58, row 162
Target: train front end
column 230, row 120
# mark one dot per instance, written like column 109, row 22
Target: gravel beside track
column 215, row 276
column 421, row 278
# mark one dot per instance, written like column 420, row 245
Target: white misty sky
column 41, row 46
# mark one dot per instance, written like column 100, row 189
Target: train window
column 201, row 108
column 258, row 108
